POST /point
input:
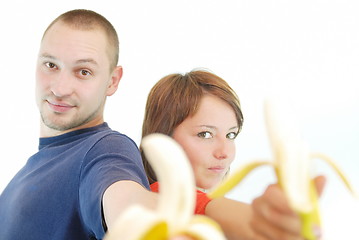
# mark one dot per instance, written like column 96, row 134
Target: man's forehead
column 90, row 45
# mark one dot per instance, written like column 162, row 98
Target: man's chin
column 58, row 127
column 59, row 122
column 61, row 125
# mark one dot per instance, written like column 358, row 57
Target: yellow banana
column 292, row 161
column 174, row 214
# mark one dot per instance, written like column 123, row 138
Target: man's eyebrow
column 87, row 60
column 47, row 56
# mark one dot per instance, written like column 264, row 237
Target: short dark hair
column 87, row 20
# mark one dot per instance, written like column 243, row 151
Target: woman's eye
column 50, row 65
column 232, row 135
column 204, row 135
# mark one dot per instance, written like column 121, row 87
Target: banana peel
column 177, row 198
column 292, row 165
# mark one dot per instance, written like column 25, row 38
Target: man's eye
column 204, row 135
column 232, row 135
column 50, row 65
column 84, row 72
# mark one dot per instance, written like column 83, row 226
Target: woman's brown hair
column 176, row 97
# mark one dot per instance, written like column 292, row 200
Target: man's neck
column 46, row 131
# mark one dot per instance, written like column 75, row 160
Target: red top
column 201, row 201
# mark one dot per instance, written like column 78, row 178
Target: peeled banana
column 174, row 214
column 292, row 165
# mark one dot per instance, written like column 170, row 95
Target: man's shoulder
column 112, row 141
column 111, row 136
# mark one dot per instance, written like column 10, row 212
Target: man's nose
column 62, row 85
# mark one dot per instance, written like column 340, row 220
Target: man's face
column 72, row 78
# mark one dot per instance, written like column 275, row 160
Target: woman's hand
column 273, row 218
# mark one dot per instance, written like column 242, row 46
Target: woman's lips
column 216, row 169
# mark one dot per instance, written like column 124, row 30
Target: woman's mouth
column 216, row 169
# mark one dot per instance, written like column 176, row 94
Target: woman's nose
column 222, row 150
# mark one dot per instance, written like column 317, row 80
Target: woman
column 178, row 106
column 202, row 113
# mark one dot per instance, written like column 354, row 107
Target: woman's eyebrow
column 232, row 128
column 207, row 126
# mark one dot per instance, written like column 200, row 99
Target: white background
column 306, row 51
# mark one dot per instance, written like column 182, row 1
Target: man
column 84, row 174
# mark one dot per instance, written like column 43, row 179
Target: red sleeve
column 201, row 201
column 154, row 187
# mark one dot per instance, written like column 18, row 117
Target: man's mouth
column 59, row 107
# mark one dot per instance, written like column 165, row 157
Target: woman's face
column 207, row 137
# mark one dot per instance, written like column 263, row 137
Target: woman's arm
column 233, row 216
column 269, row 217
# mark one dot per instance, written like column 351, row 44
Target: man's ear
column 115, row 80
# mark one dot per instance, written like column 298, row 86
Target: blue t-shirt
column 57, row 195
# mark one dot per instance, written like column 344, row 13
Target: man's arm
column 122, row 194
column 238, row 220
